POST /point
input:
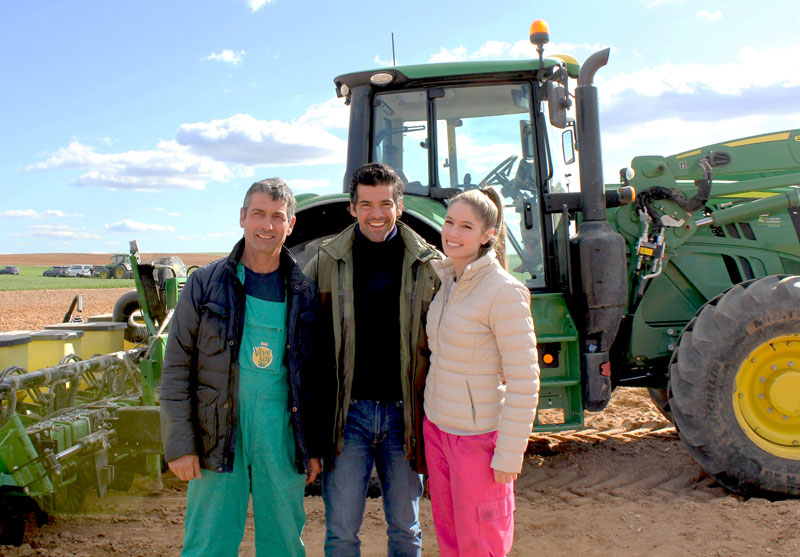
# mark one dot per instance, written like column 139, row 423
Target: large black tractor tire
column 123, row 311
column 735, row 387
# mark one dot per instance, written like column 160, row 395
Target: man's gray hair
column 277, row 189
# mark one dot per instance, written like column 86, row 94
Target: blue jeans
column 374, row 435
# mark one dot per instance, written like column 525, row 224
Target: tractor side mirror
column 568, row 146
column 557, row 103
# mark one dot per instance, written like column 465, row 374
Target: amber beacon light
column 540, row 33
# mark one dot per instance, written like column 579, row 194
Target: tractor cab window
column 400, row 136
column 479, row 136
column 484, row 137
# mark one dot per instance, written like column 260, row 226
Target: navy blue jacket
column 200, row 376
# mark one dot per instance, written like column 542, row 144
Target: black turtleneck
column 377, row 274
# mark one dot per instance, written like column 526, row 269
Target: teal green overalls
column 263, row 462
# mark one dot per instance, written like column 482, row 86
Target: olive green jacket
column 332, row 269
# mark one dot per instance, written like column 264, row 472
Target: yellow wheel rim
column 766, row 397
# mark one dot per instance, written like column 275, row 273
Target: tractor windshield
column 468, row 137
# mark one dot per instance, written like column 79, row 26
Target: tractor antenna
column 394, row 61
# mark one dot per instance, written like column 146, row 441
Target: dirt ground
column 633, row 492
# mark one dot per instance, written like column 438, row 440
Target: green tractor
column 119, row 268
column 690, row 290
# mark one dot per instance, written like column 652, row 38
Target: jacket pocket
column 207, row 418
column 473, row 412
column 211, row 335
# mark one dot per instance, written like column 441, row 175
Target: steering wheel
column 499, row 175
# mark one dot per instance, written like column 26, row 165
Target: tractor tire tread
column 707, row 359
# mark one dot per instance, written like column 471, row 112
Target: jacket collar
column 342, row 244
column 234, row 257
column 446, row 272
column 291, row 270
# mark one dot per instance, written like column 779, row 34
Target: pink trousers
column 472, row 514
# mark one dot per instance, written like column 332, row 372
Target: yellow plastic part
column 100, row 337
column 766, row 398
column 14, row 355
column 47, row 352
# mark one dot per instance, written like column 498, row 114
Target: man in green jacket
column 375, row 283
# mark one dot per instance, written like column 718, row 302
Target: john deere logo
column 262, row 356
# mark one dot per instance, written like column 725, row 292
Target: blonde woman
column 483, row 385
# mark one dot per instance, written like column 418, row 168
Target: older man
column 237, row 392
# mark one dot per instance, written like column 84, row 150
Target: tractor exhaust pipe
column 601, row 276
column 588, row 124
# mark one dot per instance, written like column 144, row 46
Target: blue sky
column 149, row 120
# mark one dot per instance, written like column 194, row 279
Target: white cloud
column 245, row 140
column 332, row 113
column 256, row 5
column 449, row 55
column 127, row 225
column 710, row 16
column 758, row 82
column 31, row 214
column 495, row 50
column 61, row 231
column 201, row 150
column 381, row 62
column 674, row 135
column 168, row 166
column 227, row 56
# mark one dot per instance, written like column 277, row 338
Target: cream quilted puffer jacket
column 484, row 373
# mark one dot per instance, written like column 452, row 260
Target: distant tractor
column 119, row 268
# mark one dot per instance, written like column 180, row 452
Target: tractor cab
column 451, row 127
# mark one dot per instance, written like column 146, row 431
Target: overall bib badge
column 262, row 356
